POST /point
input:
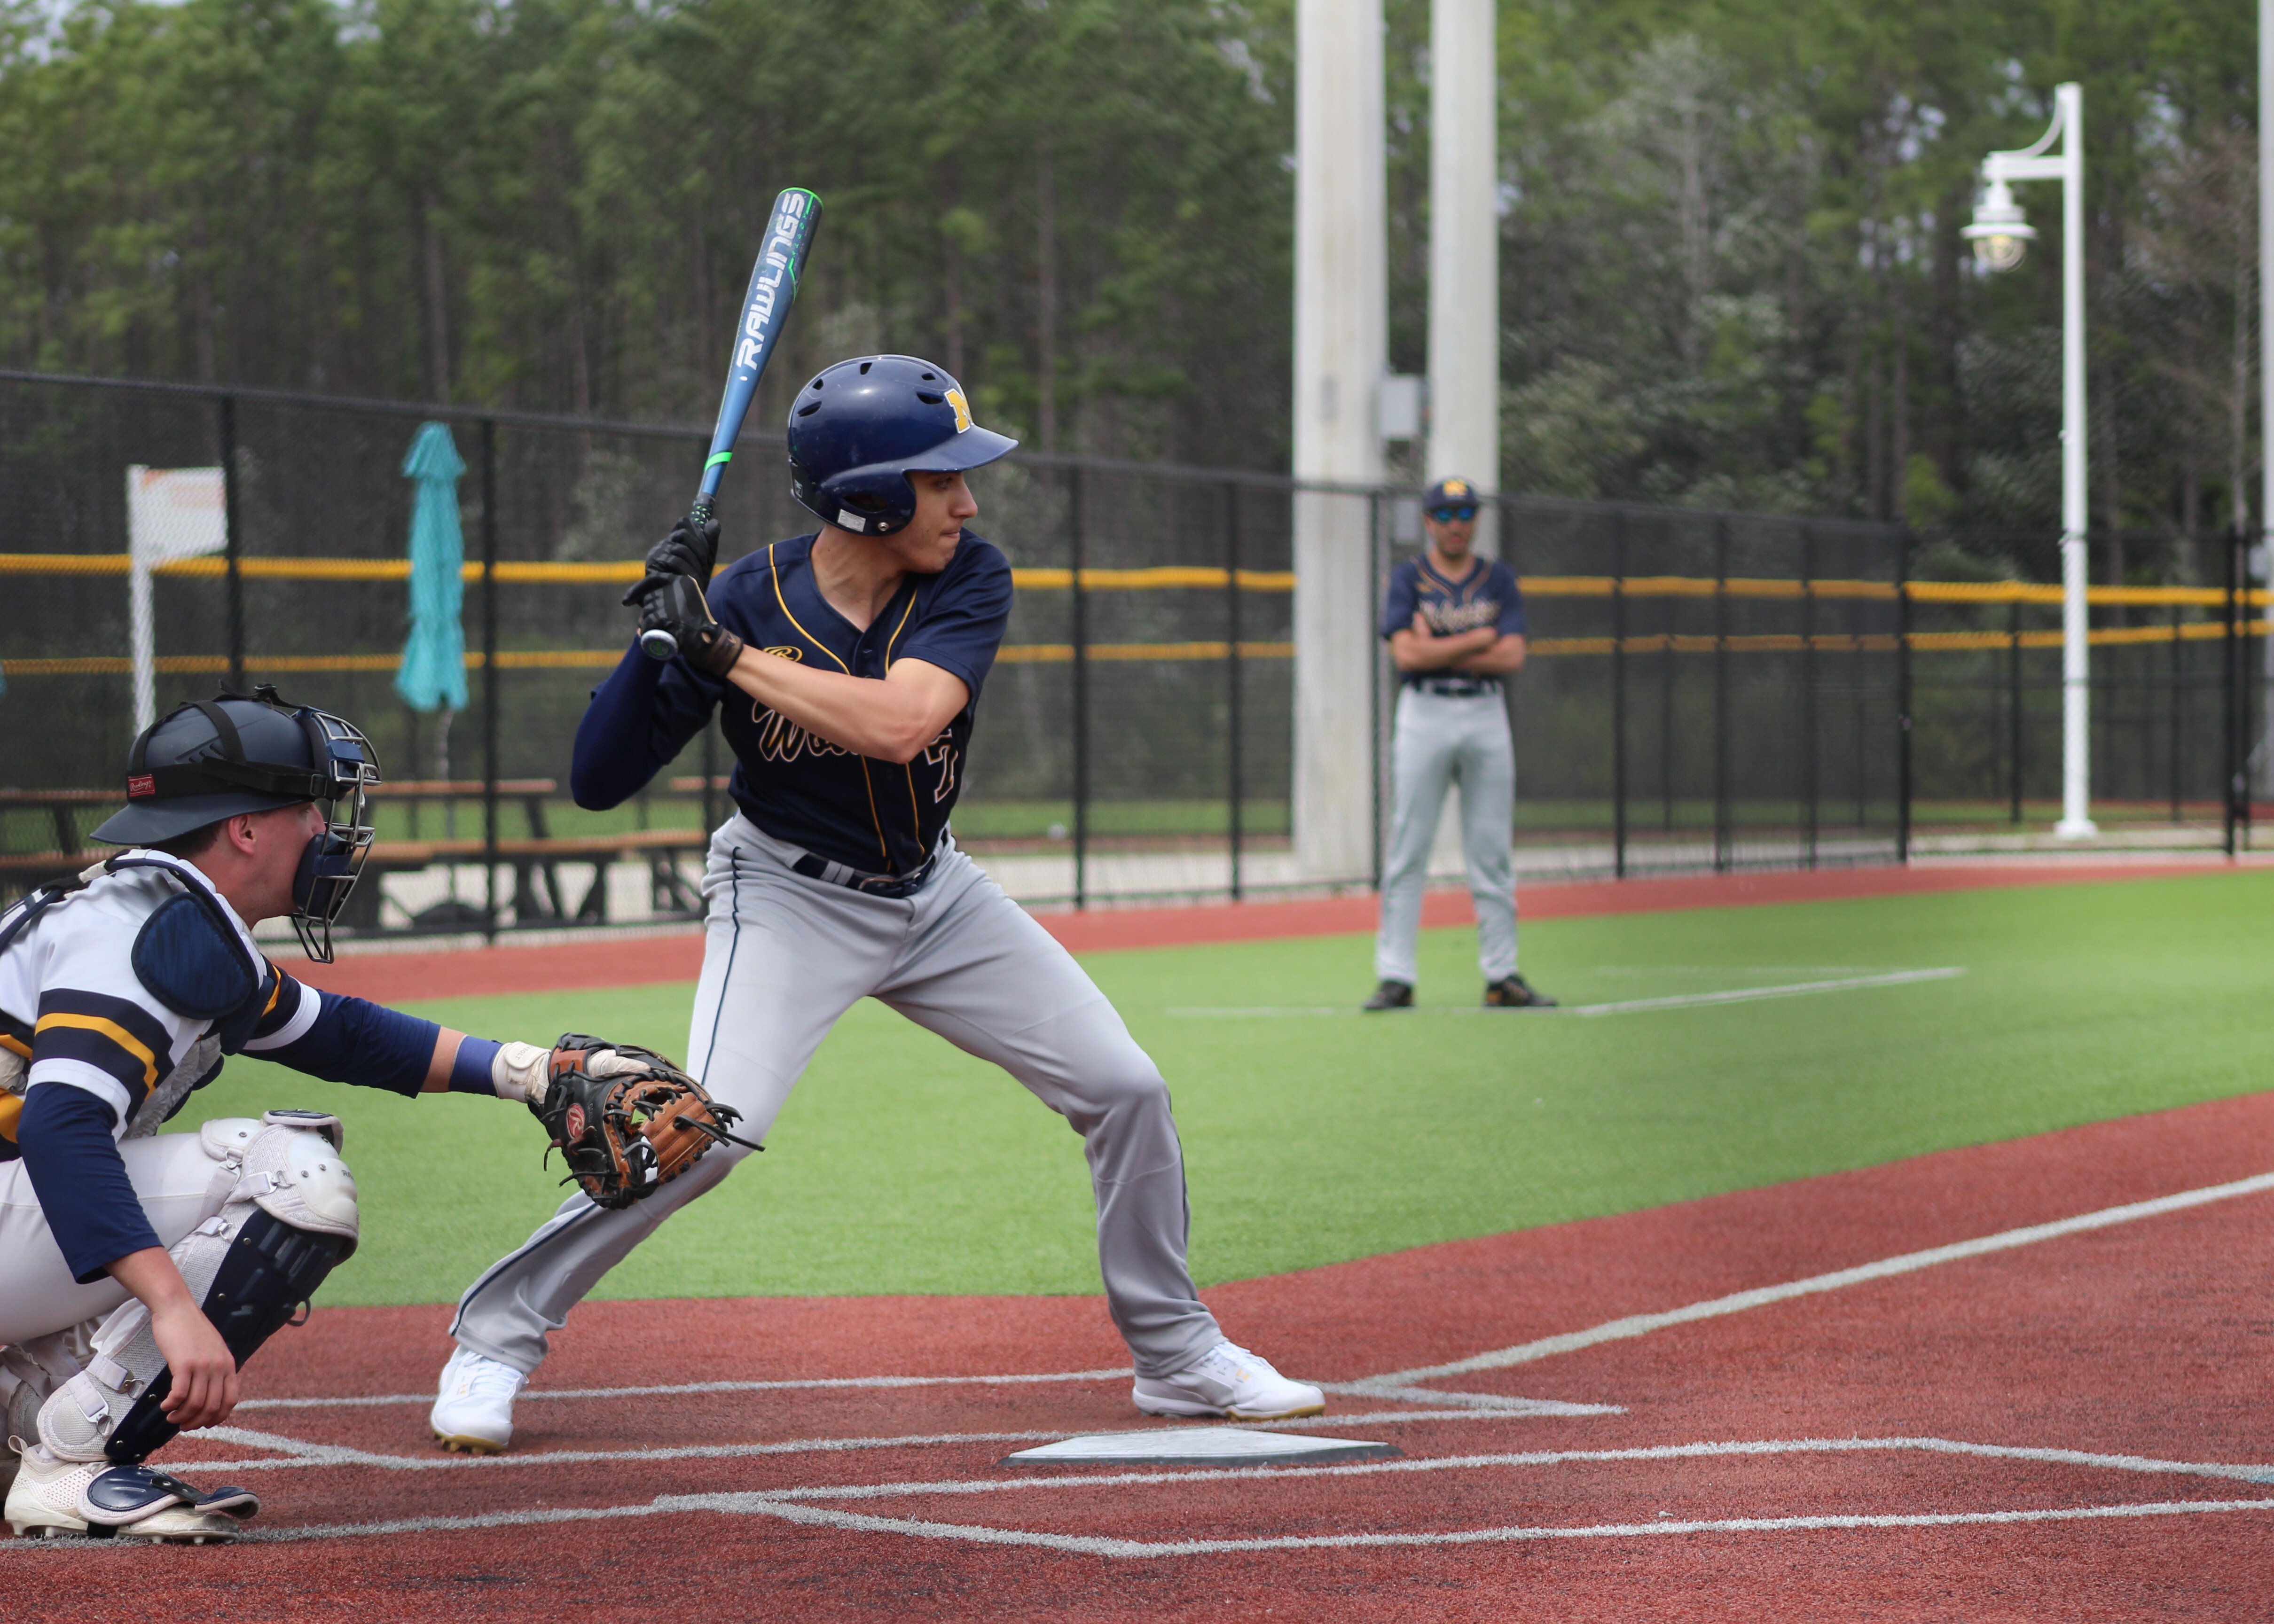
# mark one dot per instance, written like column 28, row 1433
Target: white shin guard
column 282, row 1214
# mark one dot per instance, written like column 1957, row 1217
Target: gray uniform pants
column 1441, row 742
column 786, row 957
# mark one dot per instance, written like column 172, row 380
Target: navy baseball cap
column 1451, row 492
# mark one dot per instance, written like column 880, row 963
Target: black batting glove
column 677, row 606
column 690, row 550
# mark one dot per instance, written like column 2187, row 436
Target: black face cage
column 344, row 758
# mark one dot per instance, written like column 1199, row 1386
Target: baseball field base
column 1201, row 1446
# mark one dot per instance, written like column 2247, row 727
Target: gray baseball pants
column 786, row 957
column 1441, row 742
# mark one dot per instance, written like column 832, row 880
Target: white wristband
column 520, row 1072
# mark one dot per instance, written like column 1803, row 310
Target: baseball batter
column 1455, row 626
column 847, row 665
column 138, row 1270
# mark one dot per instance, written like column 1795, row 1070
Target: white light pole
column 1342, row 349
column 2000, row 237
column 2266, row 363
column 1465, row 252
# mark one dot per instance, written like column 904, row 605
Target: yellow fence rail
column 1174, row 577
column 1062, row 653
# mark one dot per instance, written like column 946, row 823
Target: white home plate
column 1200, row 1446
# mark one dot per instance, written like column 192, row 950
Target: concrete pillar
column 1464, row 251
column 1342, row 320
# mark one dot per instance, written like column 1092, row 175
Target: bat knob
column 657, row 645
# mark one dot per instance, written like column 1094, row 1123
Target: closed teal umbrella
column 433, row 673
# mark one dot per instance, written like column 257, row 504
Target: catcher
column 138, row 1271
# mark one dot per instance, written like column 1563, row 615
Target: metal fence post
column 710, row 775
column 1903, row 696
column 234, row 542
column 2014, row 701
column 1619, row 695
column 1722, row 810
column 1810, row 767
column 2176, row 720
column 1080, row 695
column 1668, row 613
column 1233, row 788
column 2231, row 694
column 490, row 682
column 1377, row 550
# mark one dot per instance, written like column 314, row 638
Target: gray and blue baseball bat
column 765, row 307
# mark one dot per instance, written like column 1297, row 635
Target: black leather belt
column 1467, row 689
column 894, row 885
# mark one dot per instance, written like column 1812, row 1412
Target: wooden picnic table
column 538, row 896
column 66, row 806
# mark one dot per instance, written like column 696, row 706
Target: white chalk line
column 1091, row 1545
column 293, row 1453
column 1402, row 1384
column 1423, row 1395
column 676, row 1388
column 1738, row 1302
column 1624, row 1006
column 1393, row 1384
column 1864, row 969
column 1500, row 1403
column 797, row 1504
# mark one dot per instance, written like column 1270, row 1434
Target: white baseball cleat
column 473, row 1414
column 1228, row 1380
column 47, row 1501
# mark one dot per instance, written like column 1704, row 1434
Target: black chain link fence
column 1706, row 691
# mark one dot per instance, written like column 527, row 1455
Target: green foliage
column 554, row 203
column 1732, row 267
column 1733, row 274
column 901, row 1165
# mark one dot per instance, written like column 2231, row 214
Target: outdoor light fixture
column 2000, row 237
column 1999, row 233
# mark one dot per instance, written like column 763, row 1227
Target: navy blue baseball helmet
column 860, row 428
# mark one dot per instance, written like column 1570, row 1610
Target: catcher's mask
column 214, row 758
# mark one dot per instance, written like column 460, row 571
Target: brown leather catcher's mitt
column 625, row 1119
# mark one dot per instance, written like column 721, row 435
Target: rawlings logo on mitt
column 626, row 1120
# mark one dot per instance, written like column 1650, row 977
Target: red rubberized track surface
column 2065, row 1427
column 621, row 962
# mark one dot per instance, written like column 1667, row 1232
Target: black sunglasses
column 1447, row 515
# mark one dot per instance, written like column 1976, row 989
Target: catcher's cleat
column 473, row 1413
column 53, row 1498
column 1513, row 992
column 1228, row 1381
column 1390, row 995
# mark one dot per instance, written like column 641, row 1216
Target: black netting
column 1136, row 736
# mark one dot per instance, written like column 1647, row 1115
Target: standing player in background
column 1455, row 625
column 848, row 664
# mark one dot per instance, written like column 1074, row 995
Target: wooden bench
column 66, row 807
column 539, row 896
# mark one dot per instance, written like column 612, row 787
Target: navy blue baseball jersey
column 879, row 817
column 1487, row 595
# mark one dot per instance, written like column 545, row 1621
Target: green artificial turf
column 901, row 1165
